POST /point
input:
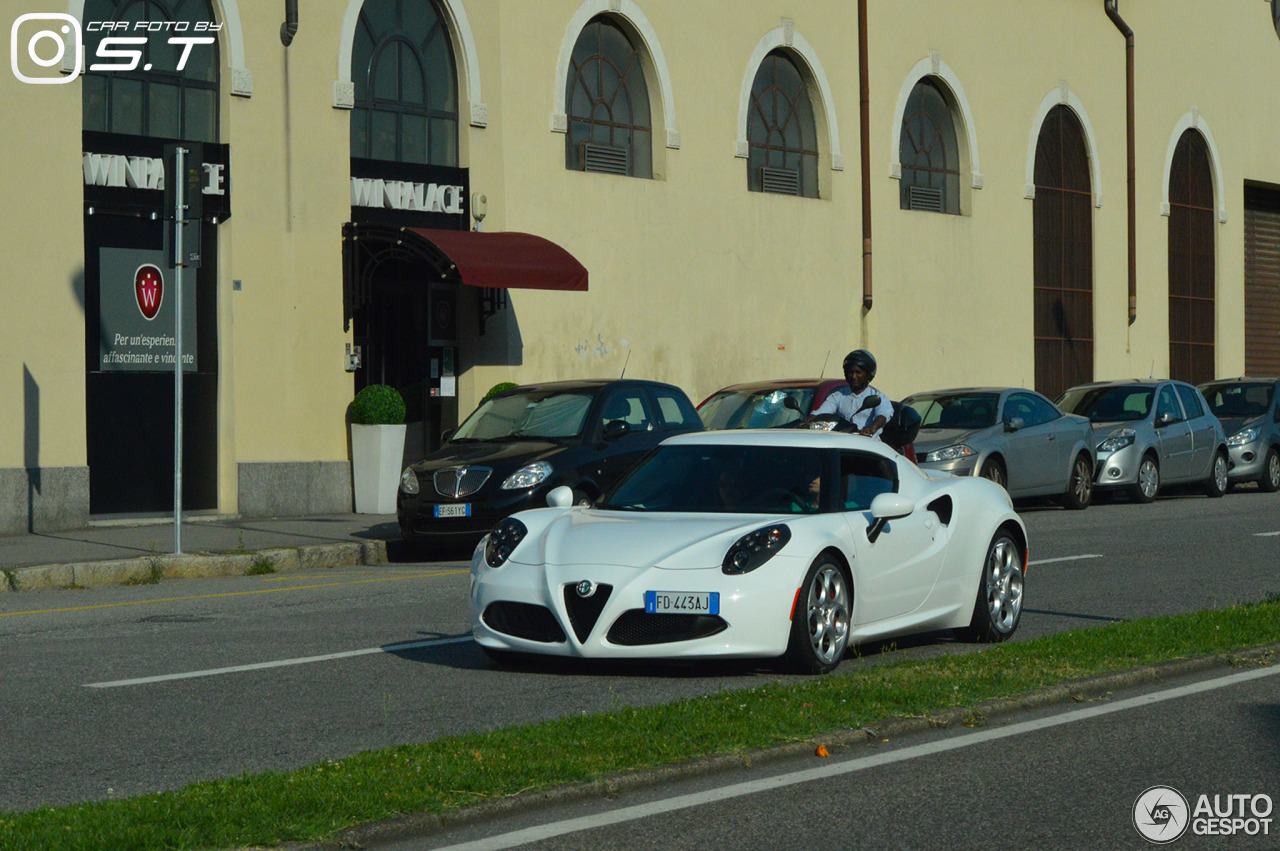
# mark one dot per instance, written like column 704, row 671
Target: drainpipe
column 290, row 26
column 864, row 117
column 1113, row 12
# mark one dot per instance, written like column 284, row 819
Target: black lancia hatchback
column 522, row 442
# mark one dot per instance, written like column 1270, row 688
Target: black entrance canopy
column 492, row 261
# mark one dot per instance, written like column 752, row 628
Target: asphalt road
column 119, row 691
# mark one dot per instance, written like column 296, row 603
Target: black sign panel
column 125, row 173
column 410, row 195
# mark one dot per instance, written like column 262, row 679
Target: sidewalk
column 120, row 551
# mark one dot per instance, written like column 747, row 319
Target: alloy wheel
column 1004, row 586
column 828, row 613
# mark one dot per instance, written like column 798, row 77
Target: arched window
column 929, row 152
column 1191, row 261
column 783, row 140
column 155, row 98
column 1063, row 255
column 607, row 101
column 406, row 99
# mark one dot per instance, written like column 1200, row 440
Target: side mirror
column 615, row 429
column 1014, row 423
column 560, row 497
column 790, row 402
column 1164, row 420
column 447, row 434
column 870, row 402
column 886, row 507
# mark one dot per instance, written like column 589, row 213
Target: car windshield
column 956, row 410
column 1109, row 404
column 1239, row 399
column 724, row 479
column 548, row 414
column 756, row 408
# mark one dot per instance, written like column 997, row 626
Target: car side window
column 676, row 413
column 1167, row 403
column 1032, row 410
column 1190, row 401
column 863, row 477
column 630, row 407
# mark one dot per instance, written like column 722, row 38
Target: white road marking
column 1266, row 534
column 1064, row 558
column 737, row 790
column 213, row 672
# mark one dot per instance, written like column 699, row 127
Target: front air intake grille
column 454, row 482
column 523, row 620
column 637, row 627
column 585, row 611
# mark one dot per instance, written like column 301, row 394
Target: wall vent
column 780, row 181
column 925, row 198
column 605, row 159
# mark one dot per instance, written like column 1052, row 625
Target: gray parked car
column 1014, row 437
column 1249, row 409
column 1152, row 433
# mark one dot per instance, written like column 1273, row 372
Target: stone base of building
column 294, row 489
column 43, row 499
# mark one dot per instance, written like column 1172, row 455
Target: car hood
column 489, row 453
column 936, row 438
column 642, row 539
column 1231, row 425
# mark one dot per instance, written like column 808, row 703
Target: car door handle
column 1053, row 437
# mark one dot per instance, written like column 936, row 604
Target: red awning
column 506, row 259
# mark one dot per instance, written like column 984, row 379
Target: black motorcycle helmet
column 862, row 358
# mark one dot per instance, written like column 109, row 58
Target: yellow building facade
column 702, row 160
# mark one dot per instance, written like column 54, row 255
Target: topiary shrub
column 378, row 404
column 498, row 388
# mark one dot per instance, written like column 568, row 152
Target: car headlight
column 1240, row 438
column 409, row 481
column 949, row 453
column 527, row 476
column 1117, row 441
column 503, row 540
column 755, row 548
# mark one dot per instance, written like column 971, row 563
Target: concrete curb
column 1093, row 688
column 151, row 569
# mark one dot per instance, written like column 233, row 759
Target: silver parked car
column 1014, row 437
column 1152, row 433
column 1249, row 409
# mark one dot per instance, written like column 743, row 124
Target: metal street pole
column 179, row 219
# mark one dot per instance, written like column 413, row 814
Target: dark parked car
column 1152, row 433
column 1012, row 436
column 522, row 442
column 1249, row 409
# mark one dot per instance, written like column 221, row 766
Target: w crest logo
column 148, row 289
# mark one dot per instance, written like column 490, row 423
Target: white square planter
column 376, row 455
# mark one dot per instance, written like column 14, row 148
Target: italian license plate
column 458, row 509
column 682, row 602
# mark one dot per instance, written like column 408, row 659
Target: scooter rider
column 846, row 403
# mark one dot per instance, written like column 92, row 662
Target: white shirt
column 845, row 402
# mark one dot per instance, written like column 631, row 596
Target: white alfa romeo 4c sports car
column 739, row 544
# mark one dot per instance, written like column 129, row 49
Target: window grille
column 605, row 159
column 927, row 198
column 781, row 181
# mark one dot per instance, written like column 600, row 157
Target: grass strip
column 448, row 774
